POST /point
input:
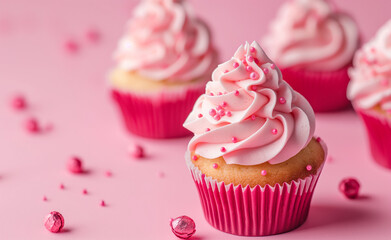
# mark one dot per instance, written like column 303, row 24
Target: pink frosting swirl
column 248, row 114
column 166, row 42
column 309, row 34
column 371, row 76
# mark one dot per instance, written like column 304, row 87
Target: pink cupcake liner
column 325, row 91
column 378, row 128
column 157, row 115
column 258, row 211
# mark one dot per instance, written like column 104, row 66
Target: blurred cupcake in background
column 253, row 156
column 313, row 44
column 370, row 92
column 163, row 62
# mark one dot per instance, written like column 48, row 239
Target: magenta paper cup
column 258, row 211
column 325, row 91
column 157, row 114
column 378, row 128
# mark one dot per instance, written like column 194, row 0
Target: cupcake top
column 166, row 42
column 370, row 83
column 309, row 34
column 249, row 114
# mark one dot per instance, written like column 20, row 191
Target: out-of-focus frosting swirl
column 248, row 114
column 309, row 34
column 166, row 42
column 370, row 83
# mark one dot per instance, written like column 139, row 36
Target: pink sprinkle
column 220, row 93
column 235, row 64
column 266, row 71
column 282, row 100
column 256, row 60
column 200, row 115
column 62, row 186
column 32, row 125
column 217, row 117
column 274, row 131
column 250, row 58
column 272, row 66
column 221, row 112
column 263, row 172
column 225, row 71
column 249, row 69
column 85, row 191
column 102, row 203
column 19, row 103
column 54, row 222
column 75, row 165
column 222, row 149
column 309, row 167
column 108, row 173
column 236, row 92
column 252, row 49
column 234, row 140
column 229, row 114
column 215, row 165
column 212, row 112
column 207, row 130
column 253, row 117
column 195, row 157
column 93, row 35
column 161, row 174
column 211, row 94
column 71, row 46
column 254, row 75
column 224, row 104
column 136, row 151
column 254, row 88
column 219, row 107
column 244, row 61
column 44, row 198
column 318, row 139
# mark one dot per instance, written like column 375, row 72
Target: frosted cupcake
column 370, row 92
column 253, row 156
column 163, row 62
column 314, row 46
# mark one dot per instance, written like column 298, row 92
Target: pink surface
column 70, row 92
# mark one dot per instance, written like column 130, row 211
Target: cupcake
column 314, row 46
column 163, row 62
column 370, row 92
column 253, row 156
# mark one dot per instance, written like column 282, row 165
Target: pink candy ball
column 349, row 187
column 32, row 125
column 136, row 151
column 75, row 165
column 183, row 227
column 19, row 102
column 54, row 222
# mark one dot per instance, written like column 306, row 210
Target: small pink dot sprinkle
column 44, row 198
column 282, row 100
column 212, row 112
column 161, row 174
column 235, row 64
column 217, row 117
column 200, row 115
column 256, row 60
column 224, row 104
column 220, row 93
column 71, row 46
column 136, row 151
column 219, row 107
column 250, row 58
column 318, row 139
column 308, row 167
column 222, row 112
column 249, row 69
column 102, row 203
column 274, row 131
column 211, row 94
column 215, row 165
column 254, row 88
column 85, row 191
column 229, row 114
column 207, row 130
column 225, row 71
column 263, row 172
column 253, row 117
column 195, row 157
column 272, row 66
column 236, row 92
column 108, row 173
column 32, row 125
column 252, row 49
column 222, row 149
column 93, row 35
column 75, row 165
column 244, row 61
column 234, row 140
column 62, row 186
column 254, row 75
column 19, row 103
column 266, row 71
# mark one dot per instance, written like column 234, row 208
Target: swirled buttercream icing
column 309, row 34
column 249, row 114
column 370, row 83
column 165, row 41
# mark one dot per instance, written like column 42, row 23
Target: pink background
column 70, row 92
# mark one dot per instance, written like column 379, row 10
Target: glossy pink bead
column 85, row 192
column 229, row 114
column 224, row 104
column 44, row 198
column 225, row 71
column 254, row 88
column 200, row 115
column 234, row 139
column 32, row 125
column 235, row 64
column 75, row 165
column 19, row 102
column 183, row 227
column 54, row 222
column 71, row 46
column 108, row 173
column 207, row 130
column 274, row 131
column 62, row 186
column 136, row 151
column 263, row 172
column 249, row 69
column 93, row 35
column 252, row 49
column 219, row 108
column 254, row 75
column 102, row 203
column 308, row 167
column 222, row 149
column 272, row 66
column 195, row 157
column 282, row 100
column 215, row 165
column 236, row 92
column 253, row 117
column 350, row 187
column 217, row 117
column 212, row 112
column 266, row 71
column 222, row 113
